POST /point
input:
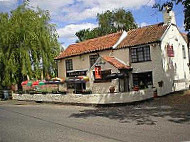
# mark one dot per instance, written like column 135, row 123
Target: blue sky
column 71, row 16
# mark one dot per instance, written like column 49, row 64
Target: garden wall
column 109, row 98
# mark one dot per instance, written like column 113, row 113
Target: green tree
column 109, row 22
column 28, row 45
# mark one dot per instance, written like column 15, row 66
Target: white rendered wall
column 175, row 68
column 106, row 98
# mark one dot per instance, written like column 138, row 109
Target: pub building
column 154, row 56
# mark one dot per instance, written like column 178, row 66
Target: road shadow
column 175, row 108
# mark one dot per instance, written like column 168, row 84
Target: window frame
column 69, row 64
column 138, row 77
column 92, row 59
column 140, row 54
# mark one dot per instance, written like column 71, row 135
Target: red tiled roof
column 144, row 35
column 147, row 34
column 96, row 44
column 115, row 62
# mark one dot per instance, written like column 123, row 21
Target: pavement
column 164, row 119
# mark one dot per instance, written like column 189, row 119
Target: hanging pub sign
column 98, row 74
column 170, row 50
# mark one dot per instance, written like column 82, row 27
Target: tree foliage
column 109, row 22
column 28, row 45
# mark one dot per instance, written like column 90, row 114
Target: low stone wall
column 109, row 98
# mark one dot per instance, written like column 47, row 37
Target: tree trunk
column 20, row 80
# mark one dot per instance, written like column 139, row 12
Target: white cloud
column 51, row 5
column 143, row 24
column 91, row 7
column 70, row 30
column 7, row 0
column 8, row 5
column 77, row 10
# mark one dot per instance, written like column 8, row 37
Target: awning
column 85, row 78
column 57, row 79
column 29, row 83
column 35, row 83
column 24, row 82
column 42, row 83
column 53, row 82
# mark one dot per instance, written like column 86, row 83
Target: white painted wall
column 164, row 68
column 123, row 55
column 107, row 98
column 174, row 68
column 154, row 65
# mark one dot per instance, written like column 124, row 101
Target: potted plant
column 136, row 88
column 112, row 89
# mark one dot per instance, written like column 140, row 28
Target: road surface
column 159, row 120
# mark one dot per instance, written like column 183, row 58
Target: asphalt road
column 152, row 121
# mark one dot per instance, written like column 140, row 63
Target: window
column 140, row 54
column 142, row 79
column 69, row 64
column 183, row 50
column 104, row 74
column 93, row 59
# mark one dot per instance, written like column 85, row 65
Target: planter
column 136, row 88
column 155, row 94
column 6, row 94
column 112, row 89
column 87, row 92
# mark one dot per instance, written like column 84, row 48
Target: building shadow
column 174, row 108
